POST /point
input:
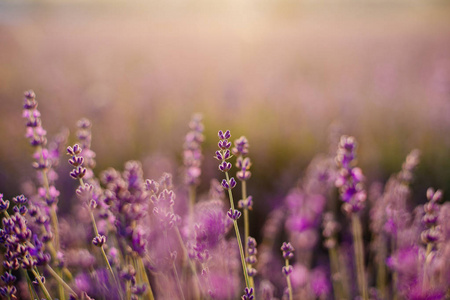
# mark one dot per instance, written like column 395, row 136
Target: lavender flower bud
column 128, row 273
column 246, row 204
column 251, row 242
column 78, row 173
column 225, row 166
column 28, row 262
column 287, row 250
column 287, row 270
column 74, row 151
column 241, row 146
column 76, row 161
column 8, row 291
column 243, row 175
column 234, row 215
column 20, row 200
column 139, row 290
column 36, row 282
column 219, row 155
column 251, row 259
column 224, row 144
column 8, row 278
column 232, row 183
column 433, row 196
column 152, row 186
column 225, row 135
column 93, row 204
column 251, row 272
column 99, row 240
column 4, row 204
column 225, row 184
column 248, row 294
column 430, row 235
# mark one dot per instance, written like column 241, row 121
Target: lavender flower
column 192, row 154
column 288, row 250
column 248, row 294
column 352, row 192
column 223, row 154
column 251, row 258
column 350, row 178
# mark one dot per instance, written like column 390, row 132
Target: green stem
column 359, row 256
column 177, row 278
column 30, row 285
column 246, row 230
column 105, row 258
column 394, row 273
column 426, row 281
column 288, row 280
column 61, row 281
column 141, row 266
column 334, row 266
column 381, row 273
column 192, row 196
column 238, row 236
column 186, row 258
column 246, row 222
column 41, row 284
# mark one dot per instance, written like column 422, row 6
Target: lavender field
column 224, row 150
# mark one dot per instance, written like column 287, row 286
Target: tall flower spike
column 223, row 154
column 287, row 269
column 350, row 178
column 352, row 192
column 192, row 154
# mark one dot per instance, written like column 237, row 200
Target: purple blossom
column 234, row 214
column 287, row 250
column 349, row 180
column 248, row 294
column 192, row 154
column 99, row 240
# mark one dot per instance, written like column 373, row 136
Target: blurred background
column 281, row 72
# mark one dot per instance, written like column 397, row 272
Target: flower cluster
column 130, row 237
column 76, row 161
column 192, row 154
column 350, row 178
column 251, row 258
column 288, row 254
column 431, row 208
column 240, row 150
column 23, row 249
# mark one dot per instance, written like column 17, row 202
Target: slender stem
column 238, row 236
column 426, row 280
column 192, row 196
column 61, row 281
column 177, row 278
column 394, row 273
column 246, row 221
column 381, row 272
column 30, row 285
column 246, row 230
column 187, row 259
column 336, row 277
column 105, row 258
column 141, row 266
column 359, row 256
column 288, row 280
column 61, row 286
column 128, row 283
column 36, row 274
